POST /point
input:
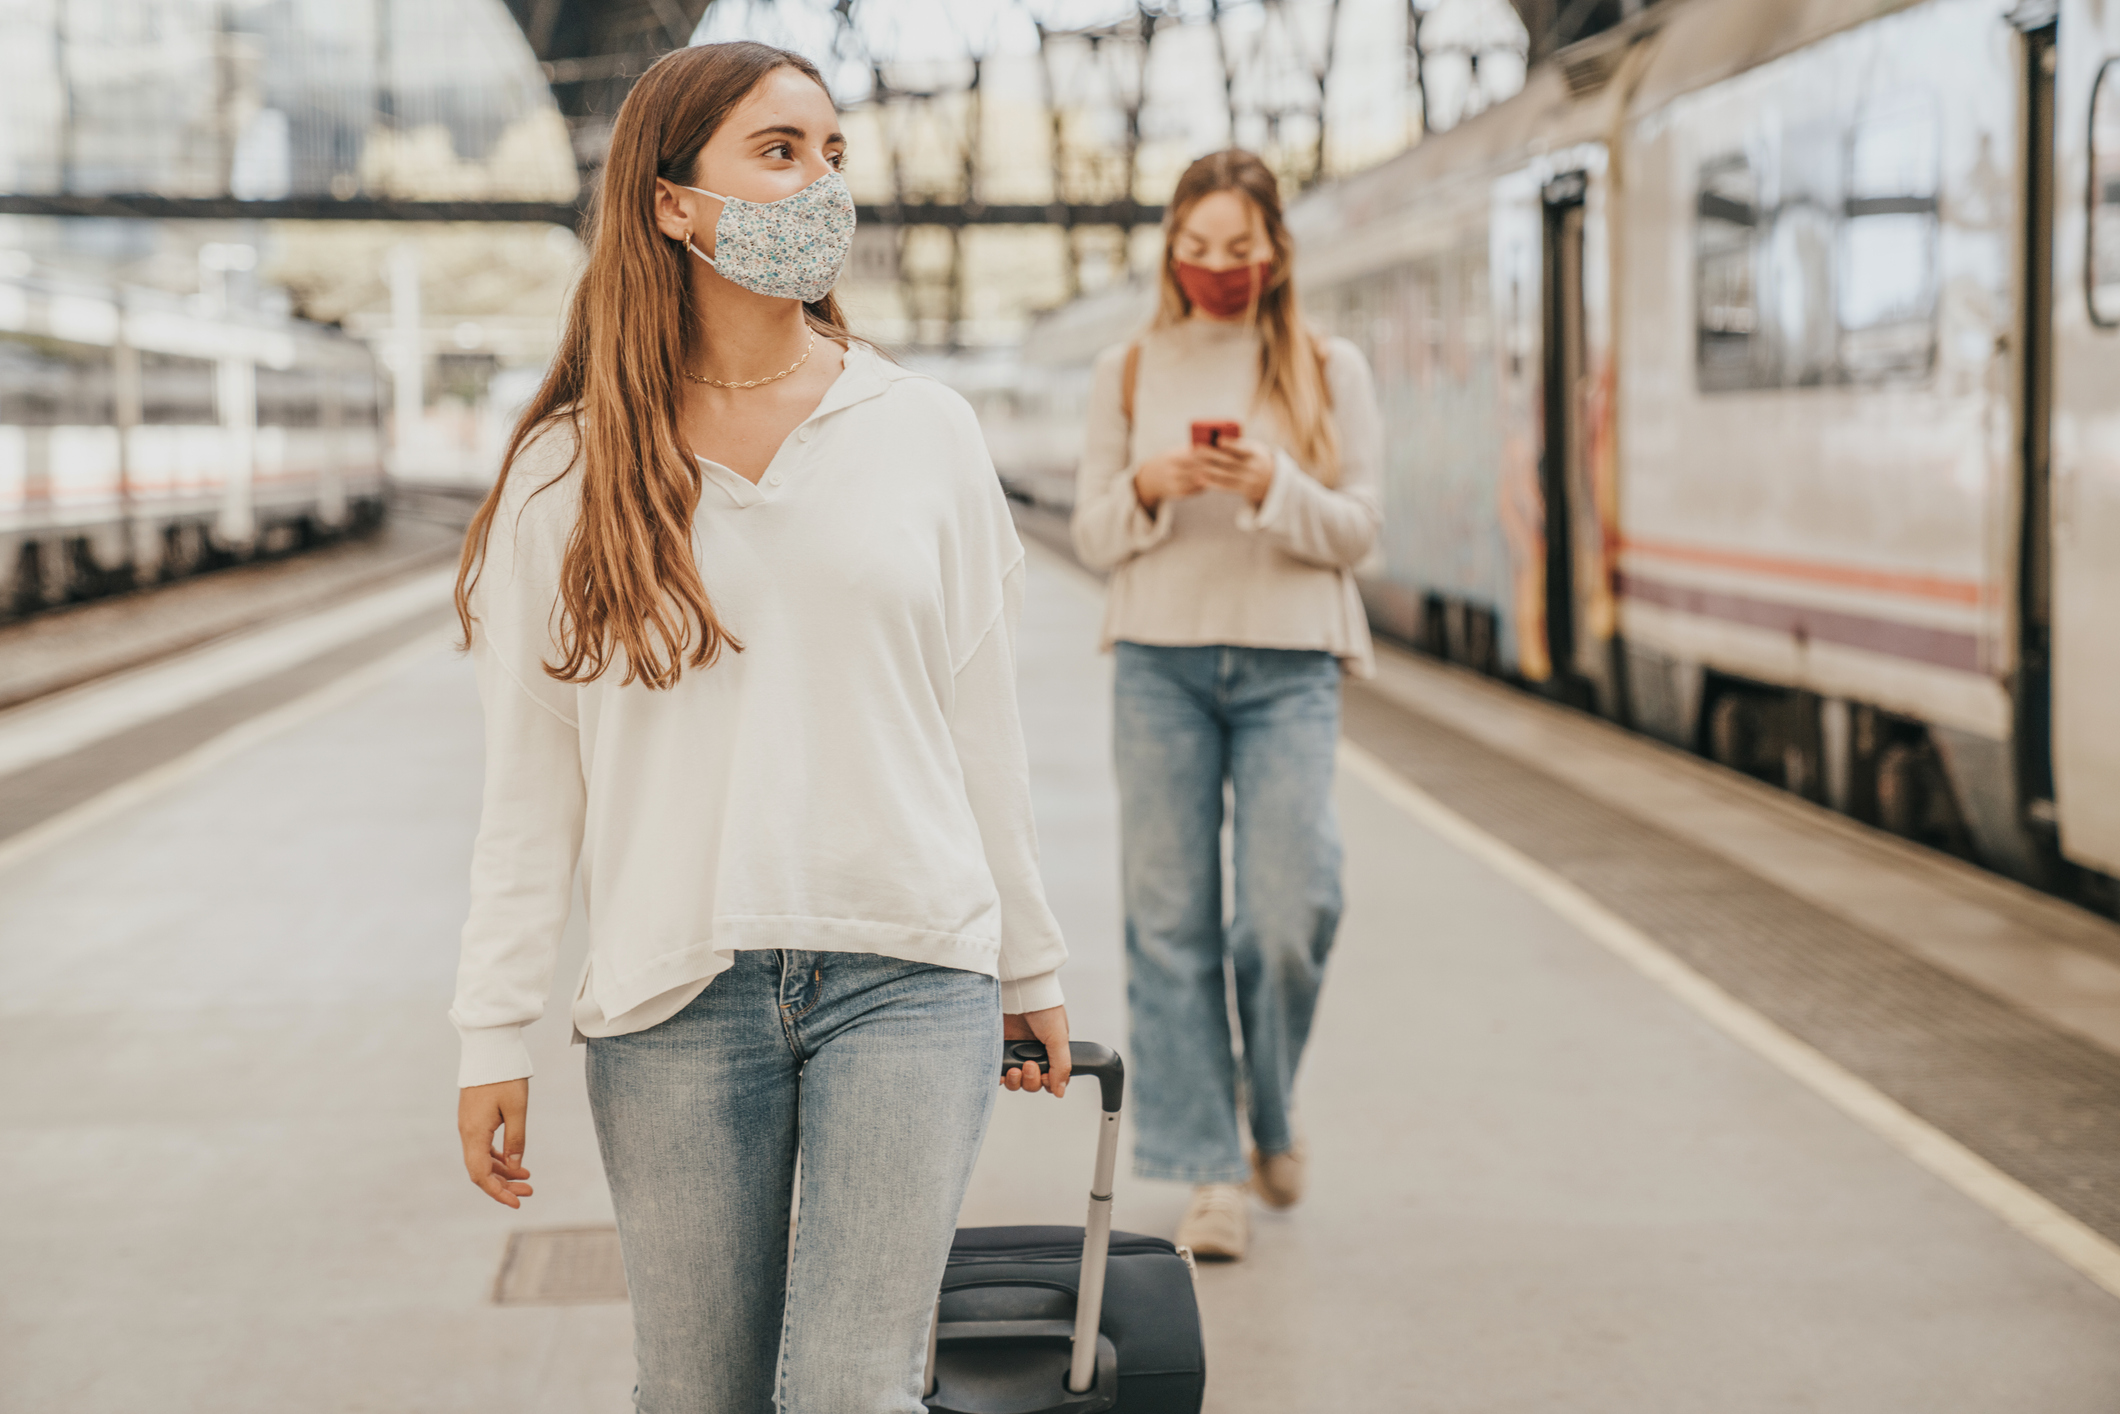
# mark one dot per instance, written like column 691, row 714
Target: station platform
column 1637, row 1086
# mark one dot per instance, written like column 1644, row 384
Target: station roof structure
column 317, row 109
column 591, row 51
column 326, row 110
column 1552, row 25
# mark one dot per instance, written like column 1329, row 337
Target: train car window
column 2102, row 269
column 1799, row 325
column 464, row 376
column 1836, row 280
column 360, row 397
column 175, row 390
column 290, row 397
column 1726, row 288
column 1800, row 309
column 54, row 383
column 1888, row 238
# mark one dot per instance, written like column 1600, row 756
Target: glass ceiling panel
column 412, row 99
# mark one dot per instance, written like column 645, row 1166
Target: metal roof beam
column 138, row 206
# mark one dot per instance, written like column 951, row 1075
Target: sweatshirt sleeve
column 530, row 824
column 1332, row 526
column 988, row 731
column 1109, row 525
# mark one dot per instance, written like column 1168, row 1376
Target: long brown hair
column 629, row 584
column 1291, row 363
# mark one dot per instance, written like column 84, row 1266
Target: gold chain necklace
column 759, row 382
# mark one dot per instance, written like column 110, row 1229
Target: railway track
column 75, row 644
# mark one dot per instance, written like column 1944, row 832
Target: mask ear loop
column 688, row 239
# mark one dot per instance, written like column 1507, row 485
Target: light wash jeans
column 882, row 1073
column 1185, row 720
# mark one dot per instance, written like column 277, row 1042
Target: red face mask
column 1223, row 294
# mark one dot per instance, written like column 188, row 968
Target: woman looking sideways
column 742, row 606
column 1232, row 612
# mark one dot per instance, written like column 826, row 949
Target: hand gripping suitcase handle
column 1088, row 1057
column 1104, row 1063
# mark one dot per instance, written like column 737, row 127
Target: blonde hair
column 1291, row 359
column 628, row 583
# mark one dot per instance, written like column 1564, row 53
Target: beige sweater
column 1208, row 569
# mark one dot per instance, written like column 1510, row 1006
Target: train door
column 1561, row 455
column 1578, row 609
column 2073, row 525
column 2032, row 689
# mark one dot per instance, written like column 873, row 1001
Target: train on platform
column 1752, row 378
column 144, row 437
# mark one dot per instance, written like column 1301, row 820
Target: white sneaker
column 1217, row 1227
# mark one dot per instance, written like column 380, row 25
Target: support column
column 407, row 359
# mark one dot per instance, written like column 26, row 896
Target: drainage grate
column 561, row 1266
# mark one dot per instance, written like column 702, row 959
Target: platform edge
column 240, row 737
column 2063, row 1236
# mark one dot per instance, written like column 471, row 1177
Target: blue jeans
column 1185, row 720
column 882, row 1074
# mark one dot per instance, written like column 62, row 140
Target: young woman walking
column 1232, row 611
column 742, row 606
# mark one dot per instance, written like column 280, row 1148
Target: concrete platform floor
column 229, row 1178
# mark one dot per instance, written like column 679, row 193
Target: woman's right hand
column 481, row 1109
column 1170, row 476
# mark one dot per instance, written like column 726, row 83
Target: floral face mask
column 792, row 248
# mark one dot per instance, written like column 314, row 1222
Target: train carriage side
column 319, row 444
column 2073, row 512
column 1472, row 273
column 1836, row 393
column 1425, row 317
column 1717, row 392
column 1817, row 405
column 141, row 439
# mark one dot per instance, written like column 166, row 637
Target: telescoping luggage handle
column 1103, row 1062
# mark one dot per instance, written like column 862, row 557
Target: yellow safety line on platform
column 2070, row 1240
column 240, row 737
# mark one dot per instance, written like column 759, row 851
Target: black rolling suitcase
column 1067, row 1320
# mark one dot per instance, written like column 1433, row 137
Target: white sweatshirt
column 854, row 781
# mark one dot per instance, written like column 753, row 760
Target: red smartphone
column 1214, row 434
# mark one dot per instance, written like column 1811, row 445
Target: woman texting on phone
column 1229, row 482
column 742, row 605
